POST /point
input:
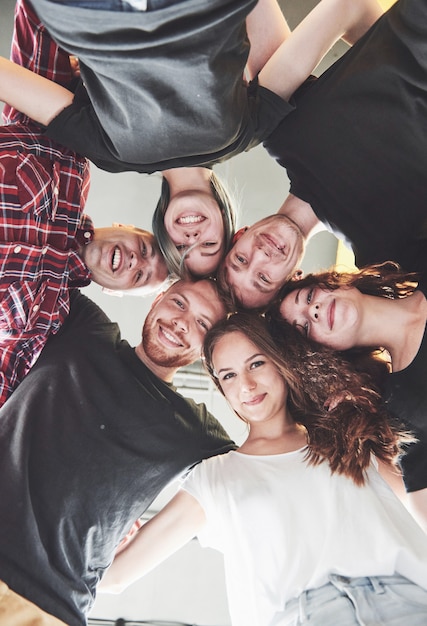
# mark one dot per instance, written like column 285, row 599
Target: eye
column 138, row 276
column 302, row 329
column 144, row 250
column 179, row 303
column 181, row 247
column 228, row 376
column 256, row 364
column 208, row 244
column 310, row 295
column 264, row 279
column 240, row 259
column 203, row 325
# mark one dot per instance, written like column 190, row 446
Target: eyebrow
column 254, row 356
column 210, row 253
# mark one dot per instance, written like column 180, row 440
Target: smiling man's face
column 124, row 257
column 178, row 321
column 263, row 259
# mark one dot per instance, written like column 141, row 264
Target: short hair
column 174, row 260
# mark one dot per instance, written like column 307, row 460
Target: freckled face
column 194, row 219
column 249, row 380
column 330, row 317
column 263, row 259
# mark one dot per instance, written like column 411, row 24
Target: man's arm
column 159, row 538
column 301, row 52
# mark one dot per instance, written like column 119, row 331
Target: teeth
column 117, row 257
column 191, row 219
column 170, row 337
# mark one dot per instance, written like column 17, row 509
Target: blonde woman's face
column 194, row 223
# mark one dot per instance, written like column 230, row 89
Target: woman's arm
column 300, row 53
column 159, row 538
column 39, row 98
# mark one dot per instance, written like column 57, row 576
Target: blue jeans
column 368, row 601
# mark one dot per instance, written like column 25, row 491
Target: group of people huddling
column 321, row 513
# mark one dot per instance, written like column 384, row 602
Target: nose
column 248, row 383
column 192, row 237
column 136, row 261
column 313, row 311
column 262, row 254
column 181, row 324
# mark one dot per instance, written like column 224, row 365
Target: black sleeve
column 77, row 127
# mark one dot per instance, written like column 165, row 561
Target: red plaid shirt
column 43, row 190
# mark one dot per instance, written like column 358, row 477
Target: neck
column 164, row 373
column 396, row 325
column 302, row 214
column 275, row 436
column 187, row 178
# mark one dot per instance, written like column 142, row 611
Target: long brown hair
column 340, row 408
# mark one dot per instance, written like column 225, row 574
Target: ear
column 297, row 275
column 239, row 233
column 157, row 298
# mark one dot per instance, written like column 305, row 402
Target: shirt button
column 44, row 250
column 87, row 235
column 35, row 308
column 17, row 249
column 56, row 191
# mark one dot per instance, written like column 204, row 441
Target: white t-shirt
column 284, row 525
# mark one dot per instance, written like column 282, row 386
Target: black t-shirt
column 406, row 397
column 87, row 441
column 162, row 88
column 355, row 147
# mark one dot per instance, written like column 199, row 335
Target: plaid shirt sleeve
column 33, row 48
column 43, row 190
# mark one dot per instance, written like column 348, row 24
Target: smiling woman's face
column 193, row 221
column 330, row 317
column 249, row 379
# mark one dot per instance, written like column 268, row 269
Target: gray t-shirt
column 161, row 88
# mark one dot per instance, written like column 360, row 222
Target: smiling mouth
column 256, row 400
column 190, row 219
column 116, row 258
column 272, row 245
column 170, row 338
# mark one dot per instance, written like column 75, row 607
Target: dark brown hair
column 340, row 407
